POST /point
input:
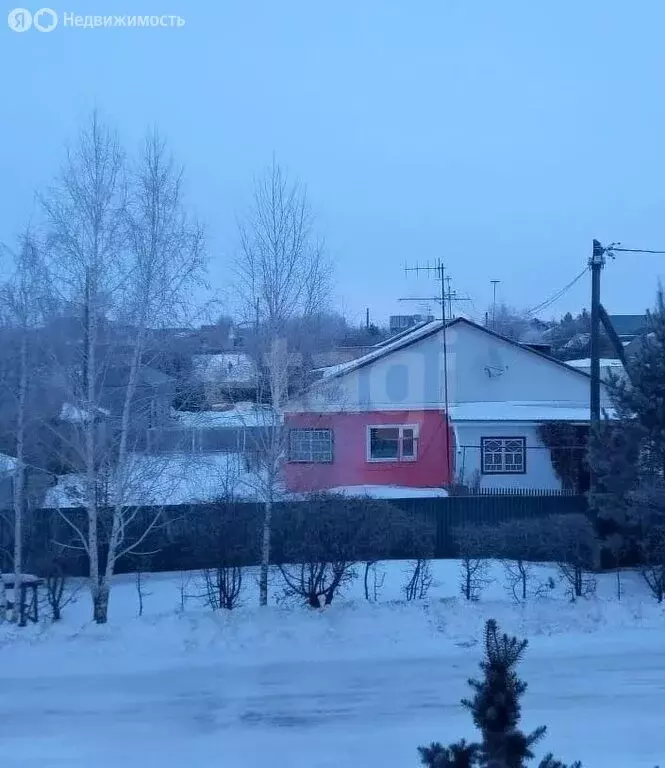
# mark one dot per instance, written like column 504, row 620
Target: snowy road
column 604, row 709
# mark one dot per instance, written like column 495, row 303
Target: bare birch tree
column 85, row 214
column 282, row 274
column 25, row 302
column 129, row 255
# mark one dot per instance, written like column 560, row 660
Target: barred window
column 503, row 455
column 310, row 446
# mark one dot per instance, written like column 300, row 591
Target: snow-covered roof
column 403, row 339
column 520, row 411
column 389, row 492
column 423, row 332
column 162, row 480
column 226, row 366
column 605, row 362
column 254, row 416
column 7, row 463
column 578, row 340
column 78, row 415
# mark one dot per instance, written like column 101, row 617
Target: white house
column 381, row 419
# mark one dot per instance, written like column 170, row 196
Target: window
column 503, row 455
column 310, row 445
column 393, row 443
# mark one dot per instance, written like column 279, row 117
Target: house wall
column 539, row 471
column 350, row 465
column 481, row 368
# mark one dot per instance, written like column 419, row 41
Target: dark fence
column 191, row 536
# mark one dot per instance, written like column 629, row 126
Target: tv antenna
column 438, row 270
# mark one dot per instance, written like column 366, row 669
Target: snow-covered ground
column 355, row 685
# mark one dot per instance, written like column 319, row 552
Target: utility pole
column 598, row 315
column 450, row 298
column 439, row 271
column 596, row 262
column 367, row 319
column 494, row 285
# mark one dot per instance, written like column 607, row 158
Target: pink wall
column 350, row 465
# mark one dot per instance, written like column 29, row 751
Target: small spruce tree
column 496, row 711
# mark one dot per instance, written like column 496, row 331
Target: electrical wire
column 556, row 296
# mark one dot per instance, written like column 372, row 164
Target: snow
column 177, row 478
column 605, row 362
column 7, row 463
column 389, row 491
column 354, row 685
column 237, row 367
column 521, row 411
column 78, row 415
column 254, row 416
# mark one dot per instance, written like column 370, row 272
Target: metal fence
column 187, row 535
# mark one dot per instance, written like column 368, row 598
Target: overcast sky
column 499, row 136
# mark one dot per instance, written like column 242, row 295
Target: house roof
column 605, row 362
column 531, row 411
column 225, row 367
column 7, row 464
column 427, row 330
column 628, row 325
column 118, row 376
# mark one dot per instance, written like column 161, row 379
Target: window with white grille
column 311, row 446
column 503, row 455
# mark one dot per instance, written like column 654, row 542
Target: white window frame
column 312, row 460
column 503, row 439
column 400, row 458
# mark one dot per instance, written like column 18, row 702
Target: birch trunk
column 99, row 597
column 3, row 599
column 265, row 553
column 19, row 477
column 117, row 525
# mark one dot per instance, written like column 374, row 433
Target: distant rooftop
column 629, row 325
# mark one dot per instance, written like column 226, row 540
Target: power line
column 556, row 296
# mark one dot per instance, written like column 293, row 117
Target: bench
column 28, row 599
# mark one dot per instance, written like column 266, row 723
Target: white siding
column 539, row 471
column 481, row 368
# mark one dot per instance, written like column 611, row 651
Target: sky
column 499, row 137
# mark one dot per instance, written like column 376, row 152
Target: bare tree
column 282, row 274
column 474, row 544
column 419, row 580
column 520, row 544
column 373, row 580
column 573, row 545
column 26, row 299
column 128, row 257
column 60, row 590
column 224, row 544
column 86, row 215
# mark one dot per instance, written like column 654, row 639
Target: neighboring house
column 226, row 376
column 152, row 401
column 381, row 419
column 244, row 429
column 399, row 323
column 628, row 327
column 7, row 470
column 608, row 367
